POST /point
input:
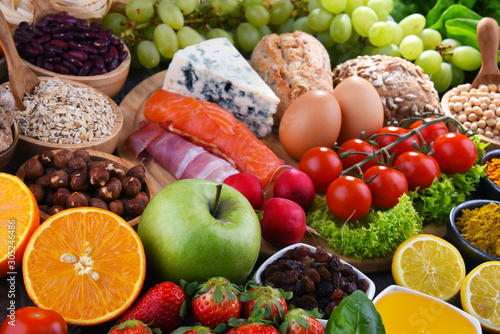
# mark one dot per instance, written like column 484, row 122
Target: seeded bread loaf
column 292, row 64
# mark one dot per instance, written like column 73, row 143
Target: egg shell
column 312, row 120
column 361, row 106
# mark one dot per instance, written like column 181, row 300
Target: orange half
column 87, row 264
column 19, row 218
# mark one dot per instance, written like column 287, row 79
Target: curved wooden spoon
column 487, row 36
column 21, row 79
column 42, row 8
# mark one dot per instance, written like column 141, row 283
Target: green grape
column 429, row 61
column 381, row 7
column 139, row 10
column 248, row 36
column 411, row 47
column 447, row 46
column 325, row 38
column 412, row 24
column 218, row 32
column 246, row 3
column 388, row 50
column 286, row 27
column 302, row 24
column 442, row 78
column 166, row 40
column 257, row 15
column 380, row 34
column 320, row 19
column 148, row 54
column 334, row 6
column 116, row 22
column 367, row 50
column 355, row 37
column 281, row 11
column 170, row 14
column 351, row 5
column 265, row 30
column 223, row 7
column 466, row 57
column 186, row 6
column 362, row 19
column 397, row 32
column 149, row 32
column 313, row 4
column 341, row 28
column 431, row 38
column 457, row 76
column 188, row 36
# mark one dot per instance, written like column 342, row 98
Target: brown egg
column 362, row 108
column 312, row 120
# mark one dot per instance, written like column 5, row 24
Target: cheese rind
column 216, row 72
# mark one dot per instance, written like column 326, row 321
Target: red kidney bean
column 85, row 70
column 113, row 64
column 62, row 28
column 59, row 43
column 123, row 55
column 48, row 66
column 103, row 50
column 72, row 69
column 44, row 39
column 62, row 36
column 99, row 62
column 53, row 60
column 113, row 51
column 74, row 61
column 80, row 55
column 60, row 68
column 97, row 71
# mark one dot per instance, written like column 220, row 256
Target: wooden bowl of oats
column 64, row 114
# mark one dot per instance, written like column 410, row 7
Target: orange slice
column 19, row 218
column 87, row 264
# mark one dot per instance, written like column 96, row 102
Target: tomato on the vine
column 387, row 185
column 35, row 320
column 349, row 198
column 430, row 132
column 322, row 165
column 357, row 145
column 389, row 135
column 419, row 169
column 454, row 152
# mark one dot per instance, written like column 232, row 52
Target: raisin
column 362, row 285
column 308, row 284
column 292, row 277
column 337, row 294
column 313, row 275
column 321, row 256
column 298, row 252
column 307, row 302
column 324, row 288
column 349, row 273
column 299, row 288
column 350, row 288
column 324, row 273
column 335, row 263
column 329, row 309
column 308, row 261
column 276, row 279
column 270, row 270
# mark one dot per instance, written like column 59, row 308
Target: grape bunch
column 155, row 29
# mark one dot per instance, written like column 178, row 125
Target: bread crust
column 292, row 64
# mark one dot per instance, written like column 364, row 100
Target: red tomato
column 430, row 132
column 419, row 169
column 387, row 186
column 322, row 165
column 454, row 152
column 357, row 145
column 349, row 198
column 390, row 137
column 34, row 320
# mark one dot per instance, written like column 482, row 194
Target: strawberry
column 193, row 330
column 253, row 325
column 133, row 327
column 299, row 321
column 164, row 305
column 272, row 300
column 215, row 302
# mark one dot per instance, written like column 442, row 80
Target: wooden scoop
column 21, row 79
column 487, row 36
column 42, row 8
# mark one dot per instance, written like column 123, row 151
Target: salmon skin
column 214, row 128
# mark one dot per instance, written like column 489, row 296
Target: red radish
column 249, row 185
column 296, row 186
column 283, row 221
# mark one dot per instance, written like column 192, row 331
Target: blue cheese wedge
column 215, row 71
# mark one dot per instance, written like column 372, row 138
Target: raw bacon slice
column 180, row 157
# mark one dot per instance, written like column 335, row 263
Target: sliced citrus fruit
column 480, row 295
column 430, row 265
column 87, row 264
column 19, row 218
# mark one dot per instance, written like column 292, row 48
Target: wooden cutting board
column 132, row 110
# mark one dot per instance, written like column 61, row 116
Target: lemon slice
column 480, row 295
column 430, row 265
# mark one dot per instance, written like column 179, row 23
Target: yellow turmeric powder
column 493, row 170
column 481, row 227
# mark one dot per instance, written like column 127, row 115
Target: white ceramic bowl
column 257, row 276
column 394, row 288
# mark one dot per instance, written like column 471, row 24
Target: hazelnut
column 99, row 176
column 62, row 158
column 38, row 191
column 142, row 196
column 111, row 190
column 49, row 171
column 44, row 208
column 77, row 199
column 59, row 179
column 77, row 164
column 49, row 195
column 93, row 164
column 84, row 154
column 117, row 207
column 131, row 186
column 60, row 196
column 80, row 181
column 135, row 206
column 116, row 170
column 139, row 172
column 43, row 180
column 46, row 158
column 33, row 169
column 98, row 203
column 55, row 209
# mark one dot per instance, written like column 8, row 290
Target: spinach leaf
column 454, row 12
column 435, row 13
column 356, row 314
column 463, row 30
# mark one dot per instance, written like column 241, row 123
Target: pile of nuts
column 478, row 109
column 67, row 179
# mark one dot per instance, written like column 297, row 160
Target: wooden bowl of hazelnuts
column 62, row 179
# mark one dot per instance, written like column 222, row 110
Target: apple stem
column 217, row 199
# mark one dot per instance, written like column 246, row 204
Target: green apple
column 195, row 229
